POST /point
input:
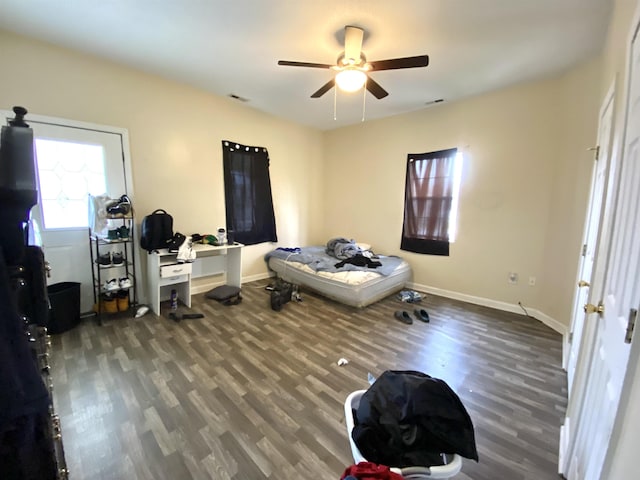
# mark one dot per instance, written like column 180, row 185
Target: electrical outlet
column 512, row 278
column 532, row 281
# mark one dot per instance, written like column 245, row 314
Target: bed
column 350, row 284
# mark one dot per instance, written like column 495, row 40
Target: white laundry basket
column 409, row 473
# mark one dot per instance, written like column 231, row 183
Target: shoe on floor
column 421, row 314
column 416, row 297
column 404, row 317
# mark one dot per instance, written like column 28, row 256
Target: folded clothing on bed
column 341, row 248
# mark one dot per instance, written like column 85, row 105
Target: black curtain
column 428, row 201
column 247, row 190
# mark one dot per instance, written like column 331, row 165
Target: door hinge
column 595, row 149
column 584, row 250
column 633, row 314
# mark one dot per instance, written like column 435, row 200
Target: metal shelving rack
column 101, row 245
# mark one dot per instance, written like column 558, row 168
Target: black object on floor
column 404, row 317
column 282, row 293
column 225, row 294
column 422, row 314
column 176, row 317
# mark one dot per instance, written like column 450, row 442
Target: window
column 431, row 201
column 247, row 191
column 67, row 172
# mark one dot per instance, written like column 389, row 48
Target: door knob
column 582, row 283
column 591, row 308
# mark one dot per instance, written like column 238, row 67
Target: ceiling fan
column 352, row 68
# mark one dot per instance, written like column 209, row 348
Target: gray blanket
column 319, row 261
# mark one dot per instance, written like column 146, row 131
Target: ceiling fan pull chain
column 335, row 103
column 364, row 97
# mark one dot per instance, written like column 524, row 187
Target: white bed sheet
column 354, row 288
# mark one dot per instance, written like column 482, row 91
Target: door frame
column 587, row 340
column 601, row 234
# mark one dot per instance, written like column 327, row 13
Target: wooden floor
column 247, row 393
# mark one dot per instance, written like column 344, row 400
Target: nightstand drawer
column 175, row 270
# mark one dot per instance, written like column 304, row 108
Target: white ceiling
column 232, row 46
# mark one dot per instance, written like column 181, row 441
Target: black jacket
column 408, row 418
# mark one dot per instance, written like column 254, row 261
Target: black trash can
column 65, row 306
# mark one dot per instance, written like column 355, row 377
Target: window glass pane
column 67, row 172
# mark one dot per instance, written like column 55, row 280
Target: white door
column 72, row 160
column 592, row 227
column 620, row 296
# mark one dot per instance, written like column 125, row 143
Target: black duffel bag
column 156, row 230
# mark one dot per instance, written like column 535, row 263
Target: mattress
column 354, row 288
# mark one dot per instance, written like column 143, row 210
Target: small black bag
column 156, row 230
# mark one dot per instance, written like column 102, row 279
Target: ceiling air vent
column 237, row 97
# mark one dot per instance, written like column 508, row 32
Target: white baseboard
column 487, row 302
column 258, row 276
column 549, row 322
column 205, row 287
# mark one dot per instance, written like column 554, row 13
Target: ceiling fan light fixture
column 351, row 79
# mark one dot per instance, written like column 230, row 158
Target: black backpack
column 156, row 230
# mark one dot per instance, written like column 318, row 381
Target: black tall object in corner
column 30, row 431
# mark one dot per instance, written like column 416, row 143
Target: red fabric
column 370, row 471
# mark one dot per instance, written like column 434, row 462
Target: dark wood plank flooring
column 249, row 393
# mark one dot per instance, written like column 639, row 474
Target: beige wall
column 523, row 196
column 175, row 134
column 571, row 181
column 524, row 148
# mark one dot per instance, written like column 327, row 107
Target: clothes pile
column 407, row 418
column 350, row 253
column 369, row 471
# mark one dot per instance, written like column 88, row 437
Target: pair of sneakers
column 118, row 284
column 115, row 302
column 120, row 233
column 109, row 259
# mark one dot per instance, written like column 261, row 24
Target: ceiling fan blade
column 324, row 89
column 303, row 64
column 398, row 63
column 353, row 43
column 375, row 88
